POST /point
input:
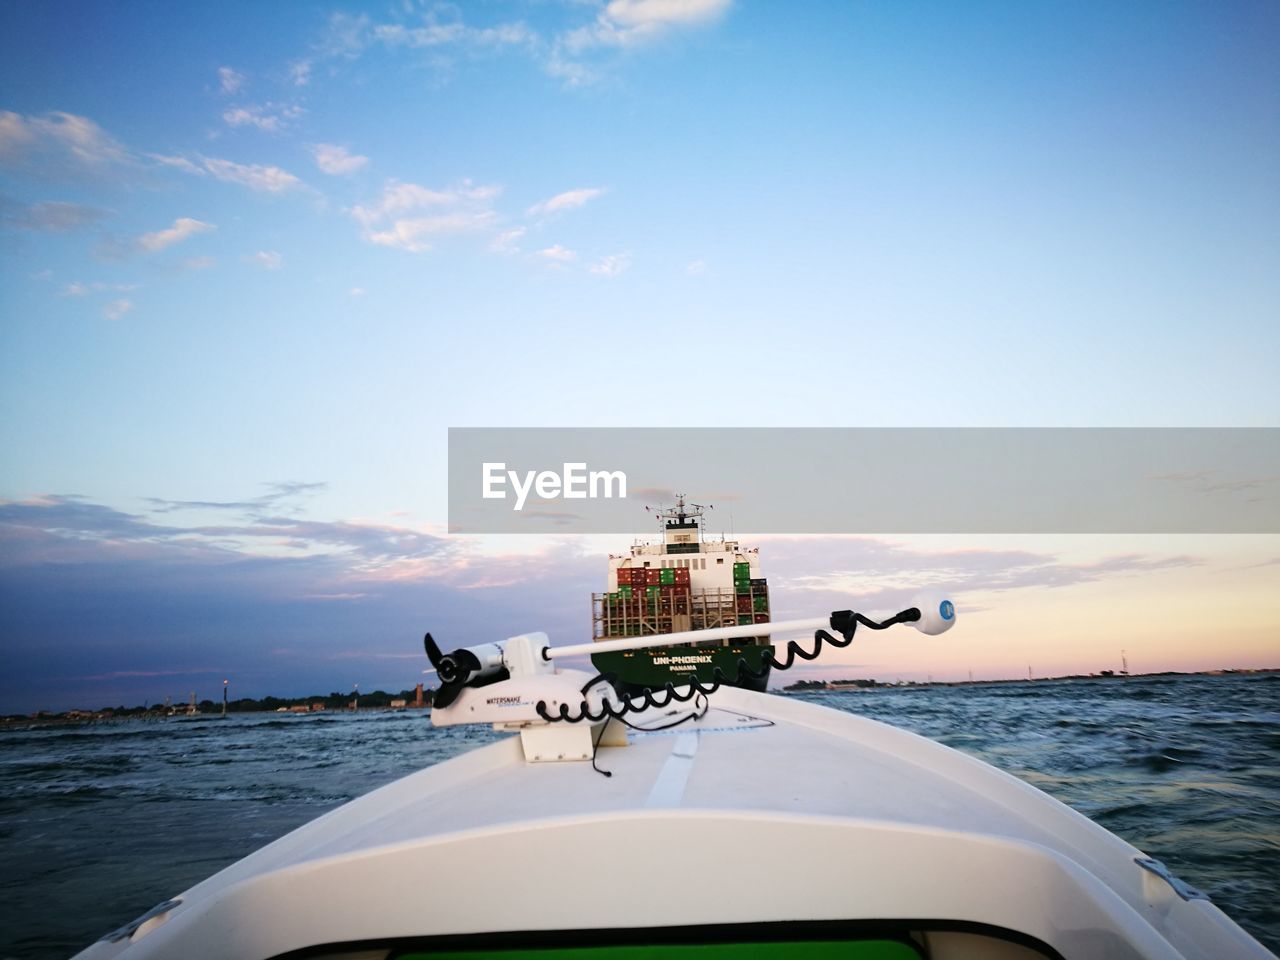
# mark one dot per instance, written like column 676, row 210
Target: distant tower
column 1029, row 676
column 224, row 698
column 1124, row 664
column 417, row 696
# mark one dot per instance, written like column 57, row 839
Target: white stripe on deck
column 668, row 788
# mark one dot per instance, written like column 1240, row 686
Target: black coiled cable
column 843, row 622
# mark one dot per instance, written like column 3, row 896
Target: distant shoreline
column 380, row 702
column 806, row 686
column 376, row 700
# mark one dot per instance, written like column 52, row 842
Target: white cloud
column 117, row 309
column 250, row 117
column 622, row 24
column 267, row 259
column 399, row 197
column 198, row 263
column 230, row 80
column 695, row 268
column 505, row 34
column 270, row 118
column 356, row 292
column 506, row 241
column 435, row 33
column 431, row 35
column 347, row 36
column 557, row 254
column 412, row 233
column 252, row 175
column 52, row 216
column 182, row 228
column 178, row 163
column 573, row 73
column 58, row 143
column 626, row 22
column 611, row 265
column 268, row 179
column 300, row 72
column 78, row 289
column 16, row 132
column 650, row 14
column 465, row 208
column 569, row 200
column 335, row 160
column 443, row 32
column 602, row 27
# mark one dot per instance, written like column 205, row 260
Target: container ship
column 686, row 582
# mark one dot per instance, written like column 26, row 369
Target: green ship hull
column 656, row 667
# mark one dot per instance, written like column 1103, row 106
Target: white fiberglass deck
column 767, row 809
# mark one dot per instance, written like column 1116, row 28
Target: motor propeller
column 464, row 667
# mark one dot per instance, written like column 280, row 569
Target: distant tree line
column 332, row 701
column 822, row 684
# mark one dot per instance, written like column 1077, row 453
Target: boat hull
column 654, row 668
column 842, row 820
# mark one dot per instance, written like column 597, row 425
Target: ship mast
column 681, row 513
column 681, row 525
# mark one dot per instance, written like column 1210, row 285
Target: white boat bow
column 760, row 819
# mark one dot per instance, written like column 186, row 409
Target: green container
column 652, row 590
column 668, row 575
column 625, row 590
column 740, row 569
column 761, row 604
column 743, row 589
column 745, row 618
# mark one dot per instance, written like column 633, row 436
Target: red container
column 624, row 574
column 682, row 574
column 762, row 618
column 744, row 604
column 653, row 576
column 668, row 589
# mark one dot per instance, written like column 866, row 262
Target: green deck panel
column 637, row 666
column 792, row 950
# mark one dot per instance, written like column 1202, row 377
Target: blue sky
column 261, row 256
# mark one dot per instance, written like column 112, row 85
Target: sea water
column 101, row 821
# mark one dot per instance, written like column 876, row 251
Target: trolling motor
column 515, row 685
column 466, row 666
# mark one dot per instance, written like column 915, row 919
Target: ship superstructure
column 684, row 582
